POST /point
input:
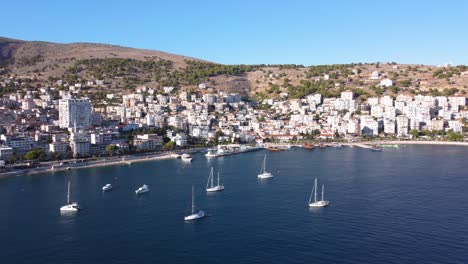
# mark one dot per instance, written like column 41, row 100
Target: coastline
column 368, row 144
column 415, row 142
column 173, row 155
column 94, row 164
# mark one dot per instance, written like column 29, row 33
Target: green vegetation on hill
column 159, row 70
column 333, row 70
column 310, row 87
column 119, row 67
column 443, row 73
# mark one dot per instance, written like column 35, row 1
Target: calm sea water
column 407, row 205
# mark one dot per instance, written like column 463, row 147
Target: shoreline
column 174, row 155
column 377, row 142
column 94, row 164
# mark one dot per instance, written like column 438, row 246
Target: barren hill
column 35, row 64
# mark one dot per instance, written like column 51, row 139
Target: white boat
column 195, row 215
column 69, row 207
column 212, row 153
column 107, row 187
column 316, row 203
column 263, row 173
column 211, row 187
column 224, row 150
column 186, row 157
column 142, row 189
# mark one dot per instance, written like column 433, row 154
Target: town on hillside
column 52, row 124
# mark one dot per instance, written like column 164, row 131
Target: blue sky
column 249, row 32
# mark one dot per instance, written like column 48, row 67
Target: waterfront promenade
column 55, row 166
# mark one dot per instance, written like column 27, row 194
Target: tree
column 453, row 136
column 169, row 145
column 414, row 133
column 111, row 149
column 36, row 153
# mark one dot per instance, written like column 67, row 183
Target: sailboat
column 212, row 188
column 194, row 215
column 107, row 187
column 263, row 173
column 316, row 203
column 142, row 189
column 70, row 207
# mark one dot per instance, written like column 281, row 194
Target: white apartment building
column 74, row 112
column 58, row 147
column 347, row 95
column 402, row 125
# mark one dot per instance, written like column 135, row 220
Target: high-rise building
column 74, row 112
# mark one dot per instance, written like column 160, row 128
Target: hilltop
column 121, row 69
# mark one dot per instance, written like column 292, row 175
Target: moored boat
column 212, row 187
column 376, row 148
column 275, row 149
column 263, row 173
column 194, row 214
column 315, row 203
column 142, row 189
column 107, row 187
column 69, row 207
column 186, row 157
column 308, row 146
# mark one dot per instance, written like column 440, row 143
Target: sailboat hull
column 319, row 204
column 265, row 175
column 215, row 189
column 198, row 215
column 73, row 207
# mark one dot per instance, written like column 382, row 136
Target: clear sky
column 249, row 32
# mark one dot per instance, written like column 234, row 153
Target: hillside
column 121, row 69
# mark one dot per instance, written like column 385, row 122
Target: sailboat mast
column 193, row 200
column 323, row 188
column 68, row 193
column 311, row 193
column 264, row 163
column 211, row 175
column 218, row 178
column 315, row 190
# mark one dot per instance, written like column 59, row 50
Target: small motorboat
column 376, row 148
column 186, row 157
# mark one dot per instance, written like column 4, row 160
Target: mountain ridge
column 125, row 68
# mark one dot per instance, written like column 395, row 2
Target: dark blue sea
column 406, row 205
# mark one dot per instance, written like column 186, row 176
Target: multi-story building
column 74, row 112
column 19, row 144
column 58, row 147
column 402, row 125
column 80, row 144
column 148, row 142
column 6, row 153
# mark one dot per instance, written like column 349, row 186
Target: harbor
column 367, row 193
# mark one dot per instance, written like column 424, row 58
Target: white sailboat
column 263, row 173
column 212, row 188
column 316, row 203
column 142, row 189
column 70, row 207
column 107, row 187
column 194, row 215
